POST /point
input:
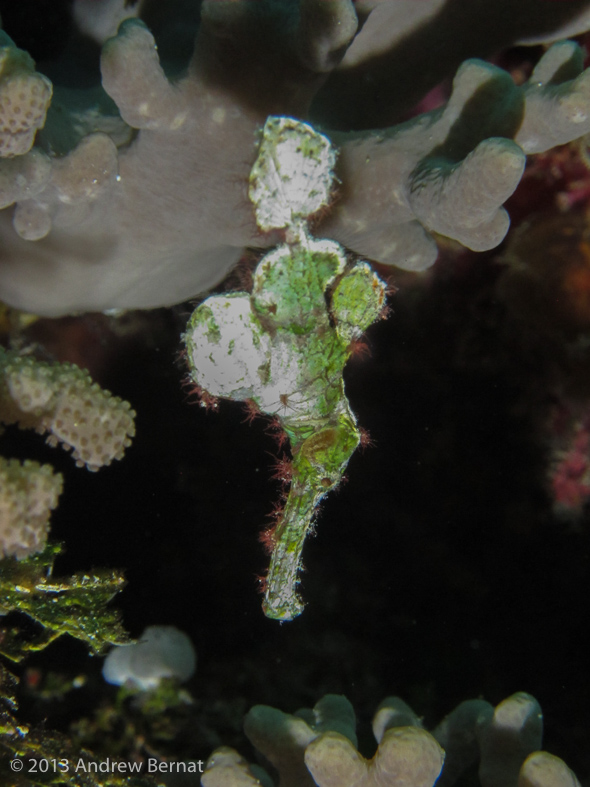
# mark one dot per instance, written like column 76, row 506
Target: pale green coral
column 318, row 747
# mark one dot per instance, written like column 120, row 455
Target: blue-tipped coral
column 283, row 347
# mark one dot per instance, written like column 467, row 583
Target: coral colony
column 284, row 347
column 59, row 400
column 147, row 206
column 145, row 191
column 319, row 747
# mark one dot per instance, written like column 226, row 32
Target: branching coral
column 319, row 747
column 166, row 216
column 24, row 100
column 404, row 48
column 62, row 401
column 29, row 492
